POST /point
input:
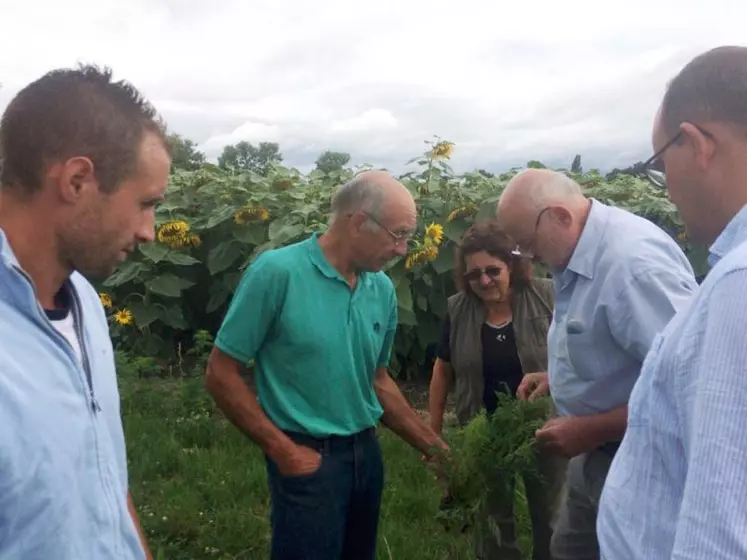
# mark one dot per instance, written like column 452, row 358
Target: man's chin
column 98, row 273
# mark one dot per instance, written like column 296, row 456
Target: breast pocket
column 582, row 352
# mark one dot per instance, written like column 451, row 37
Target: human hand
column 568, row 436
column 302, row 461
column 437, row 458
column 533, row 386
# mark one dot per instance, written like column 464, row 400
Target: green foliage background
column 175, row 294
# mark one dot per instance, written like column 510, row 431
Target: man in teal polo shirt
column 318, row 320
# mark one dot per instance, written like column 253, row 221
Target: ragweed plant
column 489, row 453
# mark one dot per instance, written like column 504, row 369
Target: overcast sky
column 506, row 81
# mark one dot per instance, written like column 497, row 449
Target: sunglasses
column 491, row 272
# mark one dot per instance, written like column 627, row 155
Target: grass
column 200, row 485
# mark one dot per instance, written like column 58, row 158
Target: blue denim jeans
column 333, row 513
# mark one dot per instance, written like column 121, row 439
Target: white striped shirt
column 677, row 488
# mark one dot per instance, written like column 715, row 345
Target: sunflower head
column 123, row 317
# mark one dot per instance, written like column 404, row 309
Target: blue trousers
column 333, row 513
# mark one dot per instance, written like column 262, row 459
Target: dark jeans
column 333, row 513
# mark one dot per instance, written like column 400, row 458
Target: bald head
column 535, row 193
column 370, row 192
column 373, row 216
column 535, row 189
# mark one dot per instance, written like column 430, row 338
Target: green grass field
column 200, row 486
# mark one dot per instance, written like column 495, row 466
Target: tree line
column 245, row 156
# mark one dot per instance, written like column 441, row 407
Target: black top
column 501, row 365
column 62, row 306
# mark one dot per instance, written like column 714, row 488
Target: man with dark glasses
column 678, row 485
column 618, row 279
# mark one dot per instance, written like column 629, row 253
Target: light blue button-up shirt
column 624, row 282
column 677, row 488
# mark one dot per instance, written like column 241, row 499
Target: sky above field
column 506, row 81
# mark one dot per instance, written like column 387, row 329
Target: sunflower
column 174, row 234
column 462, row 212
column 250, row 214
column 434, row 233
column 428, row 253
column 106, row 300
column 442, row 150
column 123, row 317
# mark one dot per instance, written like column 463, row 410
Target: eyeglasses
column 491, row 272
column 397, row 236
column 653, row 167
column 529, row 252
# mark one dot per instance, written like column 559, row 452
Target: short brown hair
column 712, row 86
column 75, row 112
column 489, row 237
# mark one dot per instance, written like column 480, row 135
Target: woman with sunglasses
column 494, row 333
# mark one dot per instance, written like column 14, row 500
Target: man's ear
column 73, row 178
column 357, row 221
column 703, row 147
column 561, row 215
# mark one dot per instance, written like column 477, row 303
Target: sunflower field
column 172, row 293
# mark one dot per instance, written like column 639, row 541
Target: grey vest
column 532, row 309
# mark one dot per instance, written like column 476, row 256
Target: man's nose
column 400, row 249
column 147, row 233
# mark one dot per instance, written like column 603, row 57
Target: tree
column 184, row 153
column 576, row 165
column 636, row 169
column 244, row 156
column 332, row 161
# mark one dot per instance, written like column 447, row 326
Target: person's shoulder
column 456, row 301
column 381, row 279
column 278, row 263
column 731, row 266
column 543, row 287
column 636, row 246
column 541, row 284
column 283, row 257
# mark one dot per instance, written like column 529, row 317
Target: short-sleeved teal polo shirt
column 316, row 343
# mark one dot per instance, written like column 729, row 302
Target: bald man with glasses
column 618, row 279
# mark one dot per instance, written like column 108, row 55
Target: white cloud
column 371, row 120
column 507, row 82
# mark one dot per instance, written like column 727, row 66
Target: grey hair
column 359, row 194
column 711, row 87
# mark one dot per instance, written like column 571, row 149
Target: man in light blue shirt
column 677, row 488
column 618, row 280
column 84, row 161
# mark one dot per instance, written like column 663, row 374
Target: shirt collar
column 733, row 234
column 7, row 256
column 320, row 261
column 584, row 258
